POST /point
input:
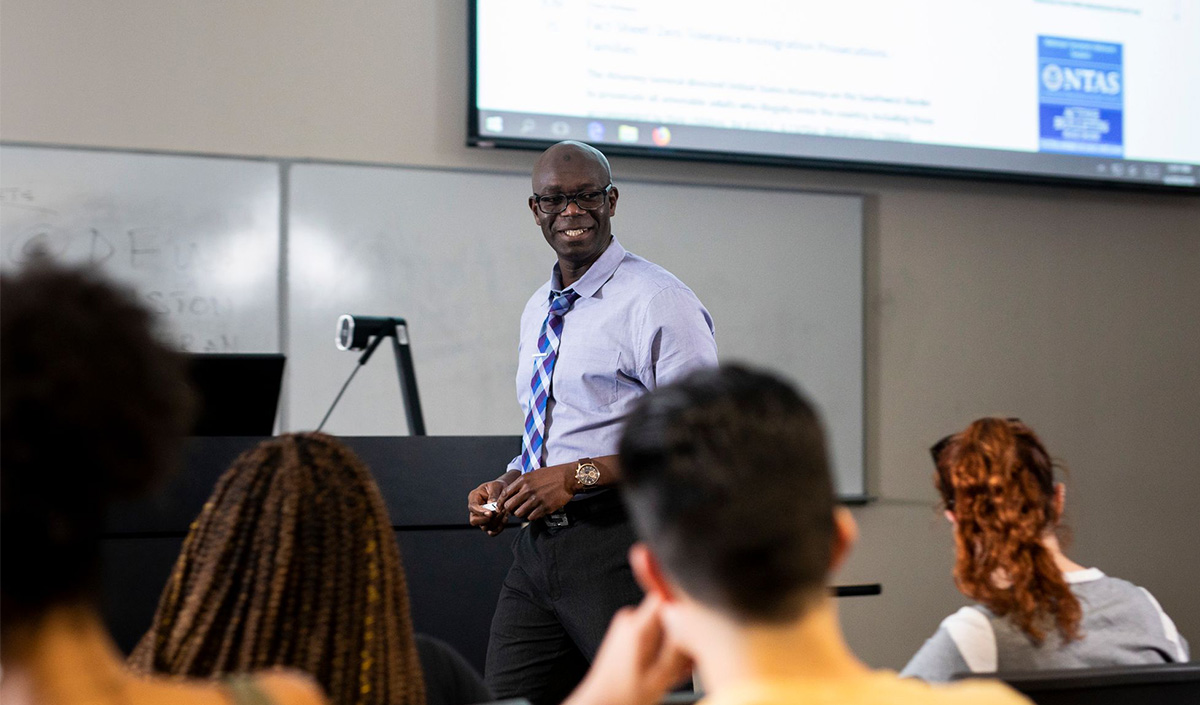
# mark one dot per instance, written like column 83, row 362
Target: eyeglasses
column 555, row 203
column 936, row 449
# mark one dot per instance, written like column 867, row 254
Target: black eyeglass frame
column 573, row 198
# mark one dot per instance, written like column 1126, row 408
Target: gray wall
column 1078, row 311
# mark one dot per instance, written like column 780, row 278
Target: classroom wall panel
column 457, row 254
column 198, row 239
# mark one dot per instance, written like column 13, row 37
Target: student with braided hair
column 1037, row 608
column 293, row 562
column 95, row 408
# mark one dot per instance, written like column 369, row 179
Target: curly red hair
column 998, row 480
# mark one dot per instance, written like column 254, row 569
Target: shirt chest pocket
column 586, row 378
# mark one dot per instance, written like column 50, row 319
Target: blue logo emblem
column 1081, row 97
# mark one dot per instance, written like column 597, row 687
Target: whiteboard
column 457, row 254
column 197, row 238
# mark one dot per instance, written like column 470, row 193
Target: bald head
column 569, row 154
column 579, row 232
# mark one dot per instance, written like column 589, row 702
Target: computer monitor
column 238, row 392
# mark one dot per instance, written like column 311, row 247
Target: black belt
column 605, row 505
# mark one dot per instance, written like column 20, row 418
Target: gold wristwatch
column 587, row 474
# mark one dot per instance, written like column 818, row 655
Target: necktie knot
column 561, row 302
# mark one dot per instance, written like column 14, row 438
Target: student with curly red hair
column 1037, row 608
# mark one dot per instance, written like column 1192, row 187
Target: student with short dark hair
column 727, row 480
column 94, row 408
column 1037, row 608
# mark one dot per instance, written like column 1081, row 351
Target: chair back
column 1110, row 685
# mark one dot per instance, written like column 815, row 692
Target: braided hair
column 292, row 562
column 998, row 480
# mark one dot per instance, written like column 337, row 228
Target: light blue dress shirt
column 634, row 327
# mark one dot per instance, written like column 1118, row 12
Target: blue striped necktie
column 533, row 442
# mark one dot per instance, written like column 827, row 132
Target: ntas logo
column 1073, row 78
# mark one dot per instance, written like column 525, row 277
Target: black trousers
column 564, row 586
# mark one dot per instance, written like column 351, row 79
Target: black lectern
column 454, row 570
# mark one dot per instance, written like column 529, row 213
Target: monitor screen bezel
column 476, row 138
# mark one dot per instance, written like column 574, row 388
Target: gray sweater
column 1122, row 625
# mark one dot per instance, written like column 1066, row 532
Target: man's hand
column 637, row 662
column 490, row 521
column 540, row 492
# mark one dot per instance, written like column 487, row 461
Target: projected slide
column 1103, row 89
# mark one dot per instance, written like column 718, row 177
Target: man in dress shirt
column 629, row 327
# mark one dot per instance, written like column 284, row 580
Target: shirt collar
column 596, row 275
column 1086, row 575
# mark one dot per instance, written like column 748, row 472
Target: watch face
column 587, row 474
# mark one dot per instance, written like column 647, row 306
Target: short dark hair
column 727, row 479
column 94, row 407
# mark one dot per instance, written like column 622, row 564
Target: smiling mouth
column 574, row 232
